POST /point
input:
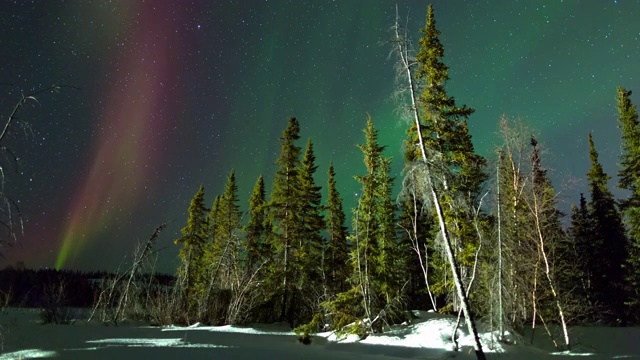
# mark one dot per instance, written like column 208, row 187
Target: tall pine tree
column 310, row 223
column 581, row 234
column 193, row 239
column 336, row 254
column 550, row 240
column 609, row 251
column 226, row 239
column 629, row 179
column 377, row 258
column 255, row 229
column 445, row 136
column 283, row 239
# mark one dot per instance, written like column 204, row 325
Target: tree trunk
column 464, row 300
column 500, row 307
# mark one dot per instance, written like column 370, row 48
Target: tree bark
column 464, row 300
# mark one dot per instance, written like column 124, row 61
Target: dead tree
column 12, row 221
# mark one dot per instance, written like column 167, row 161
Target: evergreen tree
column 336, row 255
column 609, row 249
column 542, row 187
column 282, row 237
column 255, row 228
column 228, row 223
column 229, row 208
column 581, row 234
column 629, row 173
column 376, row 256
column 212, row 257
column 629, row 176
column 193, row 239
column 550, row 242
column 391, row 259
column 213, row 221
column 310, row 223
column 445, row 134
column 447, row 154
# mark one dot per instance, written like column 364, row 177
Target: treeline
column 464, row 234
column 37, row 287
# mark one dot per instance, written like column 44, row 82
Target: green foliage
column 578, row 276
column 629, row 173
column 336, row 258
column 629, row 179
column 283, row 236
column 225, row 224
column 552, row 244
column 377, row 257
column 609, row 250
column 229, row 212
column 193, row 240
column 256, row 228
column 304, row 331
column 633, row 265
column 345, row 313
column 448, row 142
column 310, row 223
column 549, row 215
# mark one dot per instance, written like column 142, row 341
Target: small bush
column 53, row 303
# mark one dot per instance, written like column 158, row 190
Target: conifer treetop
column 630, row 128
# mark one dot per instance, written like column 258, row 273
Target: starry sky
column 168, row 95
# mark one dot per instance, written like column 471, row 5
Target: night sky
column 169, row 95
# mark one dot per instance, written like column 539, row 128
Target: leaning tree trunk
column 464, row 300
column 406, row 63
column 547, row 272
column 500, row 306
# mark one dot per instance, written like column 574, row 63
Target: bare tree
column 418, row 246
column 114, row 303
column 528, row 235
column 12, row 220
column 433, row 179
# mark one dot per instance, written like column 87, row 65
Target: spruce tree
column 376, row 256
column 212, row 257
column 550, row 241
column 629, row 174
column 311, row 223
column 447, row 154
column 336, row 254
column 282, row 237
column 193, row 239
column 213, row 220
column 629, row 179
column 446, row 139
column 255, row 228
column 391, row 259
column 542, row 187
column 581, row 234
column 226, row 244
column 609, row 250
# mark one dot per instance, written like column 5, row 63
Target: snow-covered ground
column 23, row 337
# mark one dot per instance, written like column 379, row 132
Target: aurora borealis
column 172, row 94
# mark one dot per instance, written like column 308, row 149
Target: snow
column 428, row 337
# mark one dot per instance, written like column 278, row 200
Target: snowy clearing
column 429, row 337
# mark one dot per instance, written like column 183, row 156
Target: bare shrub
column 54, row 304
